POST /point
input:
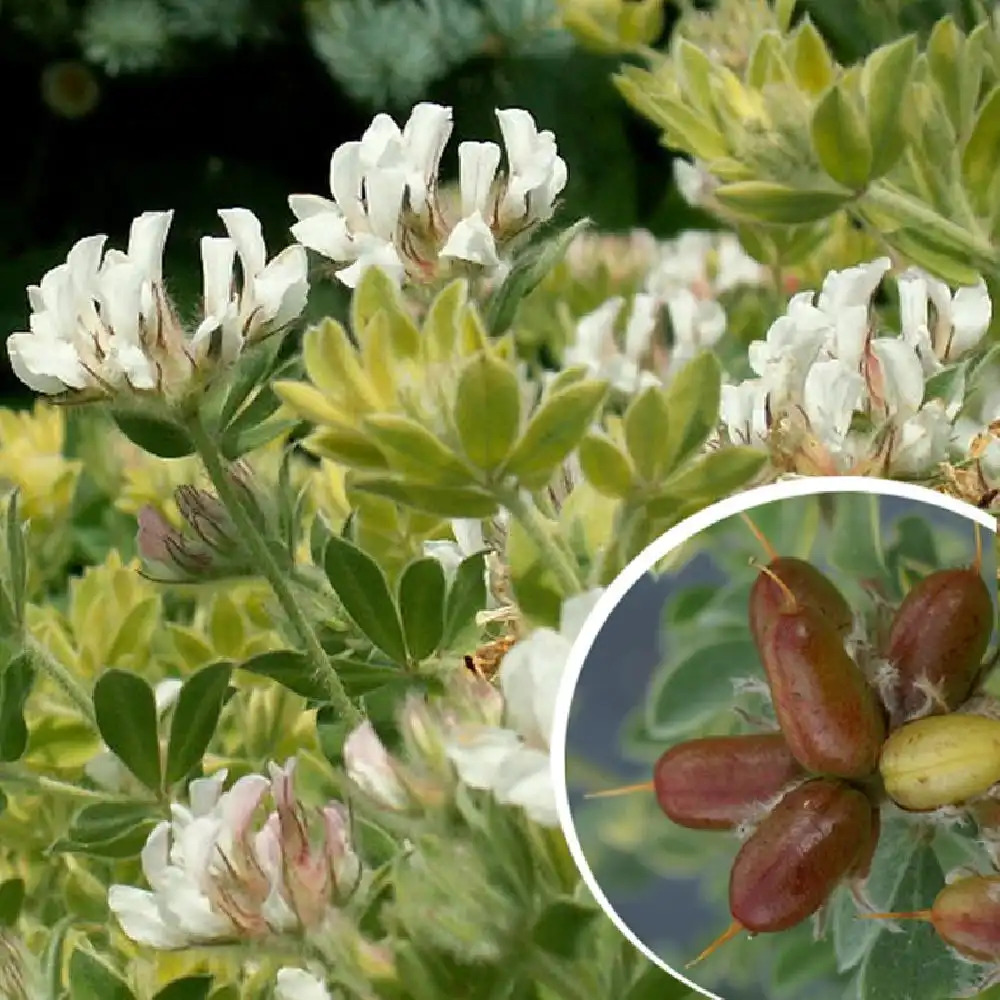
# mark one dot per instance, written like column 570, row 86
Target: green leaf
column 15, row 685
column 982, row 150
column 188, row 988
column 362, row 588
column 717, row 475
column 17, row 557
column 92, row 978
column 415, row 452
column 347, row 446
column 854, row 543
column 108, row 830
column 554, row 430
column 647, row 422
column 421, row 606
column 466, row 598
column 656, row 984
column 445, row 501
column 529, row 270
column 814, row 66
column 487, row 410
column 289, row 669
column 766, row 201
column 248, row 373
column 11, row 901
column 158, row 437
column 940, row 257
column 693, row 399
column 195, row 718
column 840, row 138
column 885, row 80
column 915, row 963
column 698, row 685
column 126, row 716
column 237, row 443
column 561, row 926
column 605, row 466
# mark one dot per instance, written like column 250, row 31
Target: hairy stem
column 531, row 519
column 44, row 662
column 235, row 503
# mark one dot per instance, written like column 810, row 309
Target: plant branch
column 268, row 567
column 523, row 509
column 44, row 662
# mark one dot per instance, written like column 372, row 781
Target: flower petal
column 139, row 915
column 471, row 240
column 477, row 167
column 245, row 231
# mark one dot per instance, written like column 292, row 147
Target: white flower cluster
column 685, row 278
column 512, row 761
column 863, row 397
column 101, row 322
column 217, row 876
column 386, row 209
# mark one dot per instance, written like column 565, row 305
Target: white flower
column 214, row 878
column 696, row 324
column 513, row 762
column 271, row 294
column 923, row 441
column 105, row 769
column 297, row 984
column 691, row 181
column 830, row 397
column 854, row 286
column 536, row 174
column 734, row 266
column 743, row 410
column 895, row 377
column 784, row 357
column 960, row 320
column 385, row 210
column 370, row 767
column 106, row 325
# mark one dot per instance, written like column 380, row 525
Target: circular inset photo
column 777, row 746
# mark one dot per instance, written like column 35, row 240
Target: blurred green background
column 113, row 107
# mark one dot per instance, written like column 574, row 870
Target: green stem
column 535, row 526
column 264, row 560
column 44, row 662
column 18, row 777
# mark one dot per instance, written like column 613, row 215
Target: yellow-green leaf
column 692, row 400
column 938, row 258
column 886, row 79
column 767, row 201
column 982, row 151
column 605, row 466
column 440, row 330
column 840, row 138
column 554, row 430
column 414, row 451
column 333, row 366
column 444, row 501
column 647, row 423
column 814, row 67
column 346, row 446
column 487, row 410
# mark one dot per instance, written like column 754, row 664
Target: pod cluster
column 858, row 723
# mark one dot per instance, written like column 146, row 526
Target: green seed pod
column 831, row 718
column 810, row 588
column 718, row 782
column 936, row 644
column 818, row 835
column 941, row 761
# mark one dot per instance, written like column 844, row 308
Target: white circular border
column 623, row 583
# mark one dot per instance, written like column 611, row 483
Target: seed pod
column 716, row 783
column 941, row 761
column 810, row 588
column 819, row 834
column 831, row 718
column 936, row 643
column 966, row 915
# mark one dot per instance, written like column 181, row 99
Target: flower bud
column 941, row 761
column 716, row 783
column 371, row 768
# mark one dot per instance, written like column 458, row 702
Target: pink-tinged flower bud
column 371, row 768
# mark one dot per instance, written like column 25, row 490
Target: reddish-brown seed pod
column 816, row 836
column 809, row 587
column 718, row 782
column 936, row 643
column 831, row 718
column 966, row 915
